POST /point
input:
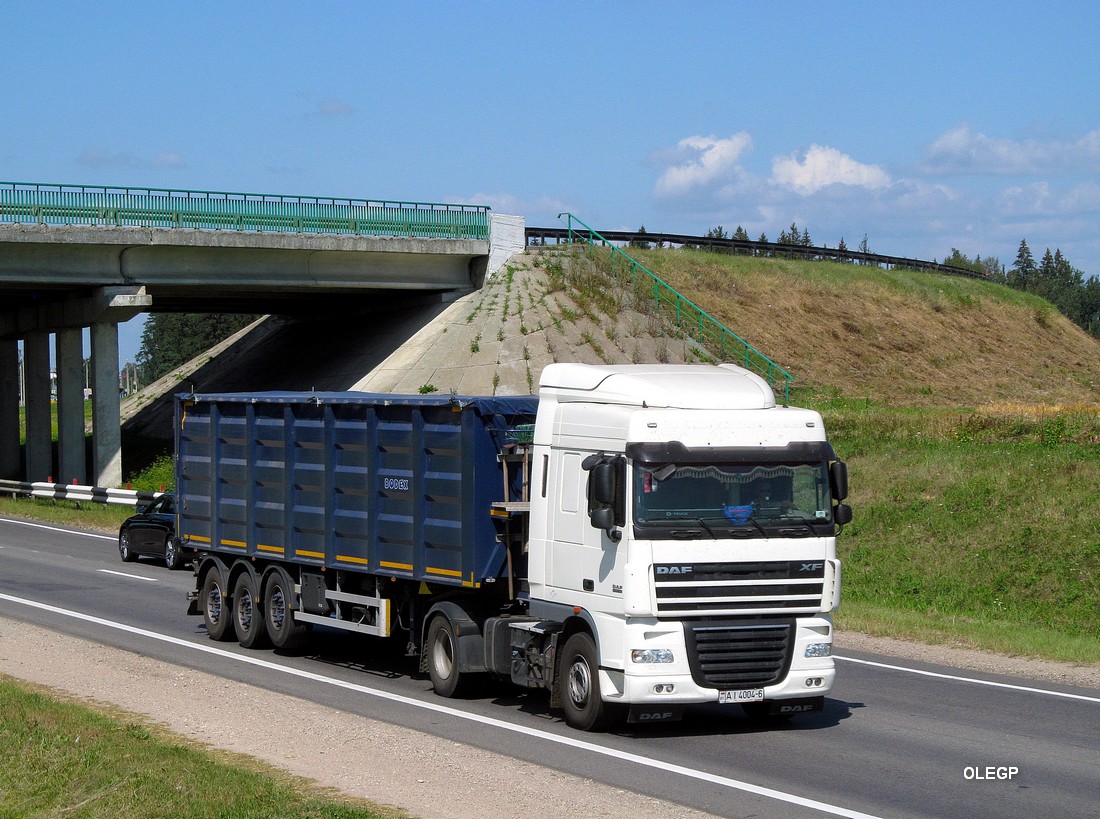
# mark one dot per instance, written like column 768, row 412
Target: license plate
column 748, row 695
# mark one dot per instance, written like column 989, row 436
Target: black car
column 152, row 533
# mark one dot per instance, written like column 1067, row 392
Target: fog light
column 651, row 655
column 819, row 650
column 814, row 682
column 664, row 688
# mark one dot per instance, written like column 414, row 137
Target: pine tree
column 1023, row 269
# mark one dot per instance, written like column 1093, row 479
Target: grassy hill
column 969, row 414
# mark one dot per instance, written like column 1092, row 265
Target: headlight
column 651, row 655
column 819, row 650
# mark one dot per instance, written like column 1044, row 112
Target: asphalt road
column 897, row 739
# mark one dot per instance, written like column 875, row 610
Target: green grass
column 62, row 759
column 979, row 528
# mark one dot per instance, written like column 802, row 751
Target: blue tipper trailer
column 394, row 486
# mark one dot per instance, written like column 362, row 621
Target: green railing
column 211, row 210
column 688, row 316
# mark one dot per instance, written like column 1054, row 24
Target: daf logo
column 674, row 570
column 795, row 709
column 649, row 716
column 812, row 567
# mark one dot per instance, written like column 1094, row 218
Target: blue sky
column 922, row 126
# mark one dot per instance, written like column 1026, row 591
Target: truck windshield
column 733, row 500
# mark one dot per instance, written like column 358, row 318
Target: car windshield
column 731, row 496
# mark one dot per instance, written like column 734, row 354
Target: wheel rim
column 124, row 545
column 170, row 552
column 277, row 607
column 580, row 682
column 244, row 610
column 214, row 604
column 443, row 655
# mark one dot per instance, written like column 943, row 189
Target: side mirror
column 604, row 518
column 842, row 514
column 602, row 482
column 838, row 480
column 141, row 508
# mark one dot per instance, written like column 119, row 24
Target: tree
column 763, row 240
column 864, row 247
column 741, row 235
column 1023, row 270
column 169, row 340
column 638, row 241
column 843, row 248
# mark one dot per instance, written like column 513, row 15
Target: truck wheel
column 215, row 607
column 248, row 615
column 442, row 650
column 285, row 632
column 579, row 683
column 173, row 559
column 124, row 550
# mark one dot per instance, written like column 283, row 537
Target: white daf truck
column 636, row 540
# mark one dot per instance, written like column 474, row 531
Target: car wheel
column 579, row 681
column 283, row 630
column 173, row 557
column 248, row 614
column 124, row 550
column 215, row 607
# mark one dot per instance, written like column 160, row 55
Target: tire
column 214, row 603
column 579, row 683
column 442, row 648
column 173, row 557
column 285, row 633
column 127, row 554
column 248, row 612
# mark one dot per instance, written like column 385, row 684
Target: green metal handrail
column 218, row 210
column 705, row 328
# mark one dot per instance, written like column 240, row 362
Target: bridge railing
column 22, row 202
column 687, row 315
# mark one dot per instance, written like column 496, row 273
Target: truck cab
column 686, row 526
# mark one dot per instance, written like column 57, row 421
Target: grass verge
column 58, row 758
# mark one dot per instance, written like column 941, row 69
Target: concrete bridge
column 73, row 257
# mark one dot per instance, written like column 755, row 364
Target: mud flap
column 655, row 713
column 792, row 708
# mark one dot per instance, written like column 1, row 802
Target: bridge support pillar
column 106, row 414
column 72, row 463
column 9, row 408
column 36, row 384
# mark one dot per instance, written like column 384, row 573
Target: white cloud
column 542, row 207
column 823, row 166
column 702, row 161
column 962, row 150
column 169, row 159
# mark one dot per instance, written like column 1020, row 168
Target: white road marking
column 624, row 756
column 56, row 528
column 956, row 678
column 134, row 576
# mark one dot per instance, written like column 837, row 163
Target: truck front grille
column 771, row 587
column 742, row 654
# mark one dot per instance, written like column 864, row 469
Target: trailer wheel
column 124, row 551
column 579, row 683
column 215, row 607
column 285, row 632
column 443, row 657
column 248, row 616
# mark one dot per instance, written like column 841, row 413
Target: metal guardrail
column 73, row 492
column 47, row 204
column 705, row 328
column 767, row 249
